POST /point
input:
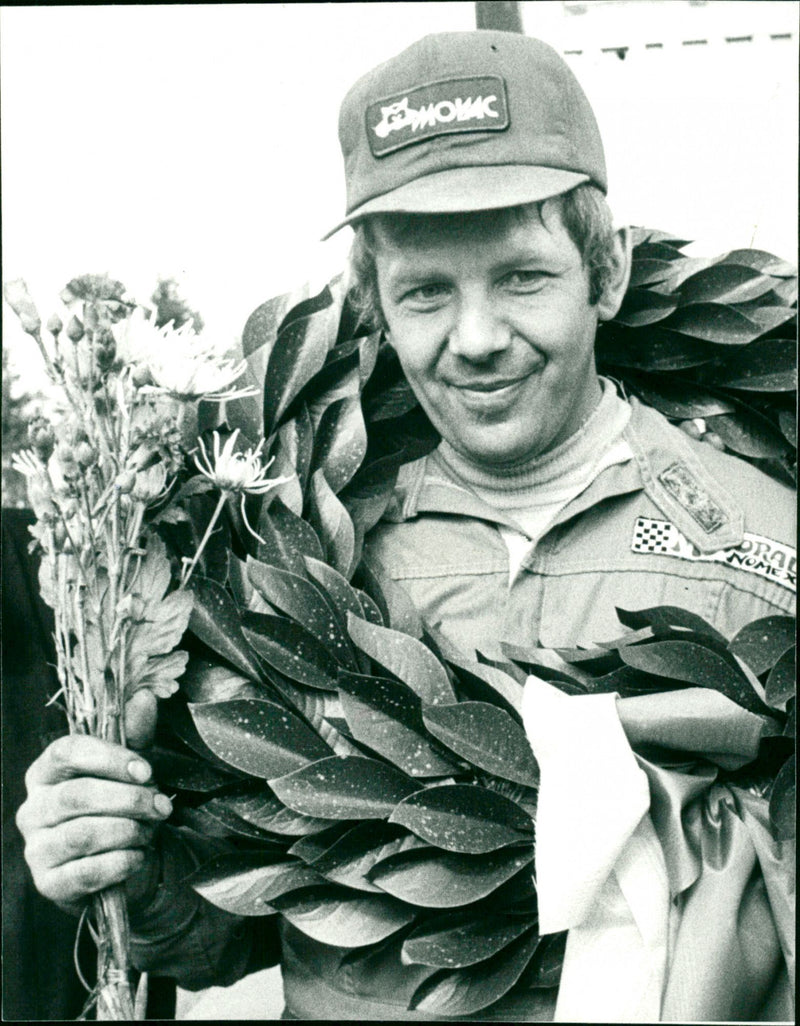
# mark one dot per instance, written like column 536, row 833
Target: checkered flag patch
column 653, row 535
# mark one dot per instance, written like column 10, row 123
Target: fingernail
column 162, row 804
column 139, row 771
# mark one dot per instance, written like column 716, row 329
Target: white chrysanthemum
column 179, row 360
column 237, row 473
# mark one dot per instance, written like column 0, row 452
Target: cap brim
column 469, row 188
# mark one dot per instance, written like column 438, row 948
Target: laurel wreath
column 376, row 786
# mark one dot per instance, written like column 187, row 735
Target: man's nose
column 478, row 333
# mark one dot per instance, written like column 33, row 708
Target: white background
column 199, row 141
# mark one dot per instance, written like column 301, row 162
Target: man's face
column 495, row 333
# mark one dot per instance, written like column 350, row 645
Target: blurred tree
column 170, row 306
column 16, row 411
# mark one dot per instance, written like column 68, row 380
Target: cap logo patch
column 440, row 108
column 755, row 555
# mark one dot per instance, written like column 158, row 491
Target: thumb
column 141, row 711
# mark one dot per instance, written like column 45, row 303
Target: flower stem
column 187, row 573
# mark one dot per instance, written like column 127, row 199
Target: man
column 476, row 184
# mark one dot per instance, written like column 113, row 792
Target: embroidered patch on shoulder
column 684, row 487
column 756, row 554
column 439, row 108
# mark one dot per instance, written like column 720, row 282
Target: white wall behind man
column 199, row 141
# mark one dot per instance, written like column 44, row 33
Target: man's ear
column 616, row 284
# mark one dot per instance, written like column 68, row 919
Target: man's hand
column 89, row 816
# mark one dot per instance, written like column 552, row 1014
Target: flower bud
column 140, row 375
column 105, row 350
column 41, row 438
column 19, row 299
column 149, row 484
column 74, row 330
column 55, row 325
column 85, row 454
column 125, row 481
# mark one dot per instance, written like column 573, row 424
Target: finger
column 88, row 796
column 72, row 882
column 141, row 712
column 78, row 755
column 81, row 838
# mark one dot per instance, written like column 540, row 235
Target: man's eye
column 525, row 280
column 428, row 294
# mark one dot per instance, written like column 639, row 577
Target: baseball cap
column 466, row 121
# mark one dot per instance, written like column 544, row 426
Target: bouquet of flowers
column 375, row 786
column 100, row 481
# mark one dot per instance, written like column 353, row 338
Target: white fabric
column 600, row 870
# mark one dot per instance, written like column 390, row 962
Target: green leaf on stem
column 762, row 642
column 433, row 878
column 487, row 737
column 215, row 620
column 257, row 737
column 458, row 939
column 405, row 657
column 240, row 883
column 463, row 992
column 344, row 788
column 464, row 818
column 291, row 649
column 387, row 716
column 349, row 921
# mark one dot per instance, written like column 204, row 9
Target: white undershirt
column 534, row 494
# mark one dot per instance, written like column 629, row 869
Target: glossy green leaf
column 405, row 657
column 762, row 642
column 770, row 316
column 463, row 992
column 642, row 307
column 647, row 271
column 764, row 262
column 240, row 883
column 348, row 860
column 657, row 349
column 350, row 922
column 257, row 737
column 769, row 365
column 219, row 809
column 332, row 523
column 724, row 283
column 487, row 737
column 341, row 595
column 434, row 878
column 300, row 350
column 455, row 940
column 679, row 400
column 344, row 788
column 291, row 649
column 183, row 772
column 544, row 969
column 782, row 680
column 714, row 322
column 205, row 681
column 262, row 809
column 668, row 618
column 464, row 818
column 695, row 664
column 216, row 622
column 341, row 442
column 749, row 433
column 783, row 802
column 387, row 716
column 301, row 600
